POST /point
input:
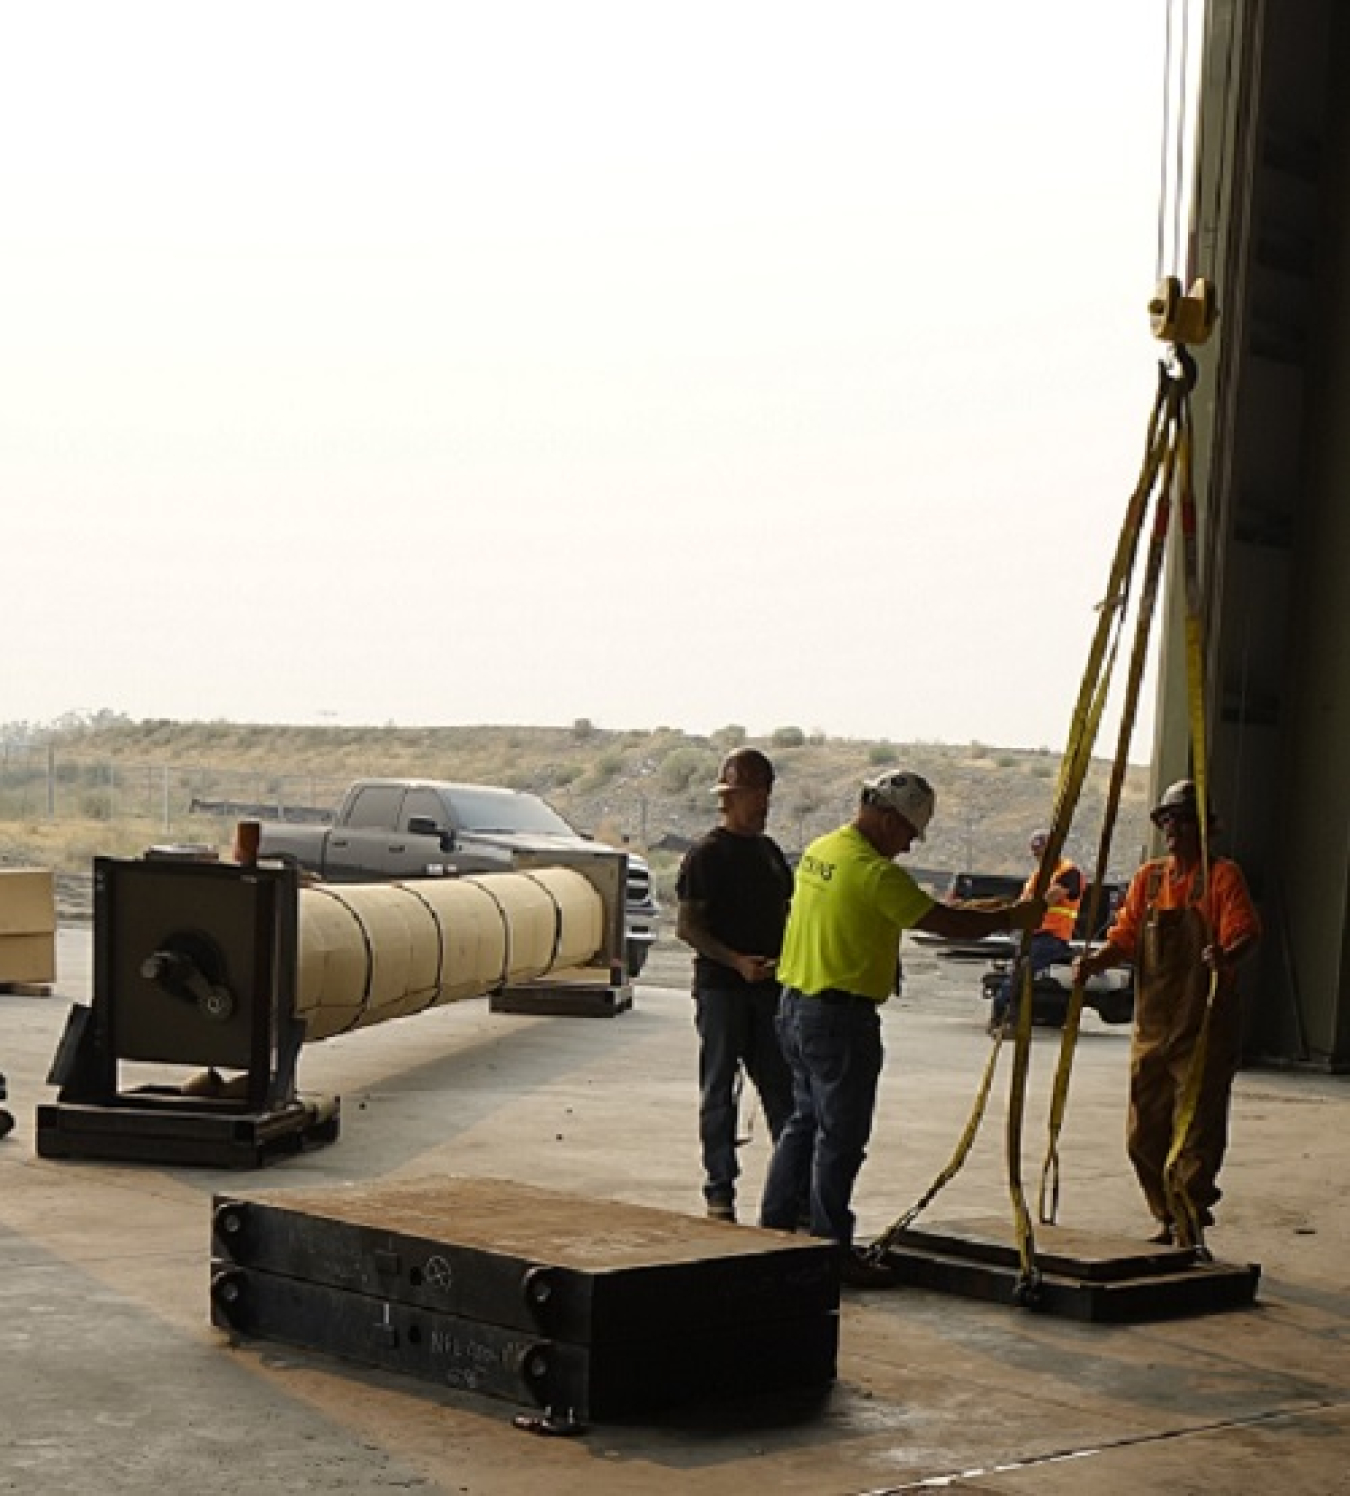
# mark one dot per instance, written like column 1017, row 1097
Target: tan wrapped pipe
column 371, row 952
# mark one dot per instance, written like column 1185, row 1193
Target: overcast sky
column 778, row 364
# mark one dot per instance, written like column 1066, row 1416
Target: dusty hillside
column 70, row 792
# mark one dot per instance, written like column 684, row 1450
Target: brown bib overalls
column 1173, row 986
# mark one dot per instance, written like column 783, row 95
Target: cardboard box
column 28, row 958
column 27, row 925
column 27, row 901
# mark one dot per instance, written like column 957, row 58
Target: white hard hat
column 1180, row 799
column 906, row 793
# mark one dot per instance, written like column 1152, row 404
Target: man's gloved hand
column 1084, row 968
column 1093, row 963
column 1026, row 914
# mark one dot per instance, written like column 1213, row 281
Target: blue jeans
column 1045, row 950
column 832, row 1042
column 734, row 1029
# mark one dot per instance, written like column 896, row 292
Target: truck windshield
column 491, row 810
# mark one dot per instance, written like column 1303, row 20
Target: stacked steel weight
column 590, row 1309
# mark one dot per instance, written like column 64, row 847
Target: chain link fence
column 40, row 784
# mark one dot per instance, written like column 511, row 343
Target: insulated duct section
column 230, row 969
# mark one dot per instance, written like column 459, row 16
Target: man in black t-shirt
column 734, row 890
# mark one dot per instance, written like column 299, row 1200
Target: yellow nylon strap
column 1166, row 468
column 1112, row 606
column 1087, row 732
column 1195, row 645
column 1073, row 771
column 1084, row 724
column 1048, row 1204
column 1190, row 1232
column 1159, row 458
column 901, row 1224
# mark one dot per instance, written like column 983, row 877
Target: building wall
column 1272, row 414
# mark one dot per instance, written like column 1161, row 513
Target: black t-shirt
column 745, row 886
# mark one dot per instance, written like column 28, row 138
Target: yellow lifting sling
column 1164, row 494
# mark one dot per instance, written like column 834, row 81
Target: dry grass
column 122, row 786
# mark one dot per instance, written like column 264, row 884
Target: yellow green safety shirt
column 849, row 907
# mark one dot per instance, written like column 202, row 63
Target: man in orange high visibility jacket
column 1050, row 943
column 1179, row 935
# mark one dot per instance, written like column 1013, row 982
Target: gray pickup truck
column 399, row 829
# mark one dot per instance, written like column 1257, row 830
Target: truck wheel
column 636, row 957
column 1049, row 1005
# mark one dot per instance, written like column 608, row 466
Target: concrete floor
column 113, row 1380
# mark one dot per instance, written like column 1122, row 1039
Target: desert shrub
column 808, row 799
column 607, row 765
column 681, row 765
column 880, row 753
column 788, row 737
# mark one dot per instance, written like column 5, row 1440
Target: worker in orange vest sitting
column 1050, row 943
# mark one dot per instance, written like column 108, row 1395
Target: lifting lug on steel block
column 535, row 1364
column 230, row 1220
column 227, row 1289
column 538, row 1286
column 1027, row 1290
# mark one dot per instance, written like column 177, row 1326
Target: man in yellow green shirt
column 850, row 905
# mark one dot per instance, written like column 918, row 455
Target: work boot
column 6, row 1123
column 722, row 1209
